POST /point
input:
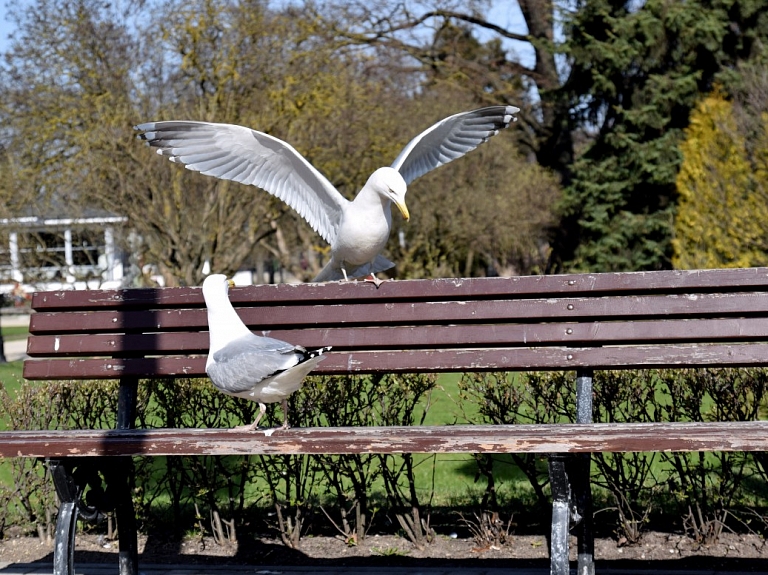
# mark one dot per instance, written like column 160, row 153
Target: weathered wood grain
column 429, row 361
column 565, row 438
column 431, row 336
column 388, row 313
column 677, row 281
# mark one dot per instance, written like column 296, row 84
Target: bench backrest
column 615, row 320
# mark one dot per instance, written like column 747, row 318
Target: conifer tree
column 722, row 207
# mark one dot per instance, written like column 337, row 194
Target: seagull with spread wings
column 357, row 230
column 243, row 364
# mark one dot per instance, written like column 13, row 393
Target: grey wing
column 254, row 158
column 451, row 138
column 245, row 362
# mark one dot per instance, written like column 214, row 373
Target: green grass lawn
column 10, row 377
column 454, row 473
column 13, row 332
column 11, row 380
column 10, row 374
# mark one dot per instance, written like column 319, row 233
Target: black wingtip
column 318, row 351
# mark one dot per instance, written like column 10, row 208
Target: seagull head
column 215, row 285
column 388, row 183
column 224, row 324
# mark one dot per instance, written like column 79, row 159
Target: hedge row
column 699, row 493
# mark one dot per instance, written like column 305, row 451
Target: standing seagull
column 358, row 230
column 242, row 364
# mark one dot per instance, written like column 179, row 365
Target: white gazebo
column 60, row 252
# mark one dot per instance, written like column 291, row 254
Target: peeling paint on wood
column 566, row 438
column 677, row 281
column 430, row 361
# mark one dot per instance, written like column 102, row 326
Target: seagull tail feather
column 328, row 274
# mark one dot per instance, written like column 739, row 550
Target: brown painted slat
column 421, row 337
column 117, row 321
column 445, row 288
column 118, row 344
column 565, row 438
column 410, row 313
column 434, row 361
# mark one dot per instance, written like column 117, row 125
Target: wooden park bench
column 577, row 323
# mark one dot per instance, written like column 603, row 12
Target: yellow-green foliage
column 722, row 184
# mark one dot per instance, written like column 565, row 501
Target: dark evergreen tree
column 635, row 77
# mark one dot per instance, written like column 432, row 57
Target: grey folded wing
column 247, row 361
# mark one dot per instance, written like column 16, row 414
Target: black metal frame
column 572, row 495
column 71, row 476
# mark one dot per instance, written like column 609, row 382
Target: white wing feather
column 250, row 157
column 451, row 138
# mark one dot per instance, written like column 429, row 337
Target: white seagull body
column 240, row 363
column 357, row 230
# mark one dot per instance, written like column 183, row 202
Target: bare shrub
column 218, row 482
column 402, row 405
column 291, row 482
column 708, row 485
column 346, row 401
column 627, row 396
column 505, row 399
column 29, row 502
column 488, row 529
column 704, row 529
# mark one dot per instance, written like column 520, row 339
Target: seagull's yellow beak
column 231, row 283
column 403, row 210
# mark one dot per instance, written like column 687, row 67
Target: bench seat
column 545, row 439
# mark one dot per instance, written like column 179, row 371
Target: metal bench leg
column 118, row 478
column 569, row 477
column 580, row 476
column 128, row 557
column 64, row 550
column 582, row 512
column 66, row 523
column 561, row 513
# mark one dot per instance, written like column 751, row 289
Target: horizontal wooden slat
column 433, row 361
column 565, row 438
column 678, row 281
column 414, row 313
column 420, row 337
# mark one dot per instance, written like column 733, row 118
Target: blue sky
column 5, row 25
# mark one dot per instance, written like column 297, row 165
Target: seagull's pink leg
column 286, row 425
column 374, row 280
column 255, row 425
